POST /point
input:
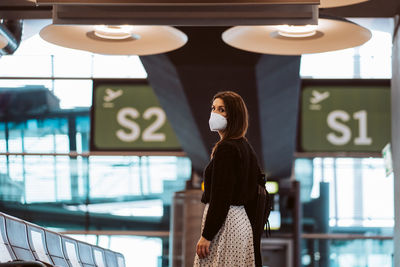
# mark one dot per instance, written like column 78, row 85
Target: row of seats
column 24, row 241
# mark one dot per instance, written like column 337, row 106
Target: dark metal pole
column 323, row 219
column 165, row 251
column 72, row 161
column 297, row 225
column 7, row 136
column 23, row 163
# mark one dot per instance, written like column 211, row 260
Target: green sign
column 387, row 158
column 345, row 118
column 129, row 117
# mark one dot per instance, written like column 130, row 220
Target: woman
column 230, row 190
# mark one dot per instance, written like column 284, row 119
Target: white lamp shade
column 338, row 3
column 331, row 34
column 146, row 40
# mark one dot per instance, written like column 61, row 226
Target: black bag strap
column 267, row 198
column 262, row 178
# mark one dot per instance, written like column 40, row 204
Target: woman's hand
column 203, row 248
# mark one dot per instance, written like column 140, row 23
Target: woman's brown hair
column 237, row 116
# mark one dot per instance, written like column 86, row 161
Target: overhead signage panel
column 128, row 117
column 345, row 118
column 181, row 2
column 184, row 13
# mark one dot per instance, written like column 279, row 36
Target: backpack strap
column 261, row 180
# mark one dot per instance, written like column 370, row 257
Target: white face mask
column 217, row 122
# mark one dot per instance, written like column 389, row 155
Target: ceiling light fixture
column 114, row 32
column 296, row 31
column 115, row 40
column 330, row 35
column 338, row 3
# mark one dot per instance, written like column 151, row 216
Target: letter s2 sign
column 128, row 117
column 125, row 118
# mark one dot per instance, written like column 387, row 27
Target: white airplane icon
column 318, row 97
column 111, row 95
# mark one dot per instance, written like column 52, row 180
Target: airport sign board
column 345, row 118
column 126, row 116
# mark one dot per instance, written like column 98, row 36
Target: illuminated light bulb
column 113, row 32
column 294, row 31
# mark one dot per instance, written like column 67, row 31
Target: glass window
column 137, row 176
column 371, row 60
column 16, row 169
column 83, row 133
column 118, row 67
column 73, row 93
column 137, row 250
column 336, row 64
column 39, row 176
column 345, row 192
column 349, row 253
column 46, row 136
column 74, row 65
column 25, row 66
column 117, row 185
column 114, row 176
column 23, row 82
column 376, row 63
column 38, row 58
column 3, row 143
column 15, row 137
column 360, row 194
column 378, row 194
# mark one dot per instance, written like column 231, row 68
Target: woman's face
column 218, row 107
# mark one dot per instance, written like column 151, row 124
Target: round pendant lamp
column 328, row 35
column 3, row 42
column 338, row 3
column 115, row 40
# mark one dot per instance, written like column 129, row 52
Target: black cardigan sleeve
column 223, row 176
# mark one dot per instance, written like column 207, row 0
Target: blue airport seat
column 6, row 254
column 86, row 255
column 54, row 246
column 71, row 253
column 120, row 259
column 23, row 244
column 18, row 238
column 111, row 259
column 99, row 256
column 22, row 264
column 37, row 243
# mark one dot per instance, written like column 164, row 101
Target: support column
column 186, row 79
column 395, row 98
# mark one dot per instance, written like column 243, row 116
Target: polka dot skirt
column 233, row 244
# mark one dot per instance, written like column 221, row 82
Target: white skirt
column 233, row 244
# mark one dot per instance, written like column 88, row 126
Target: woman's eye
column 221, row 110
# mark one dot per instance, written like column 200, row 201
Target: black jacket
column 231, row 178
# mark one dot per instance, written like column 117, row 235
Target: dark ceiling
column 23, row 9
